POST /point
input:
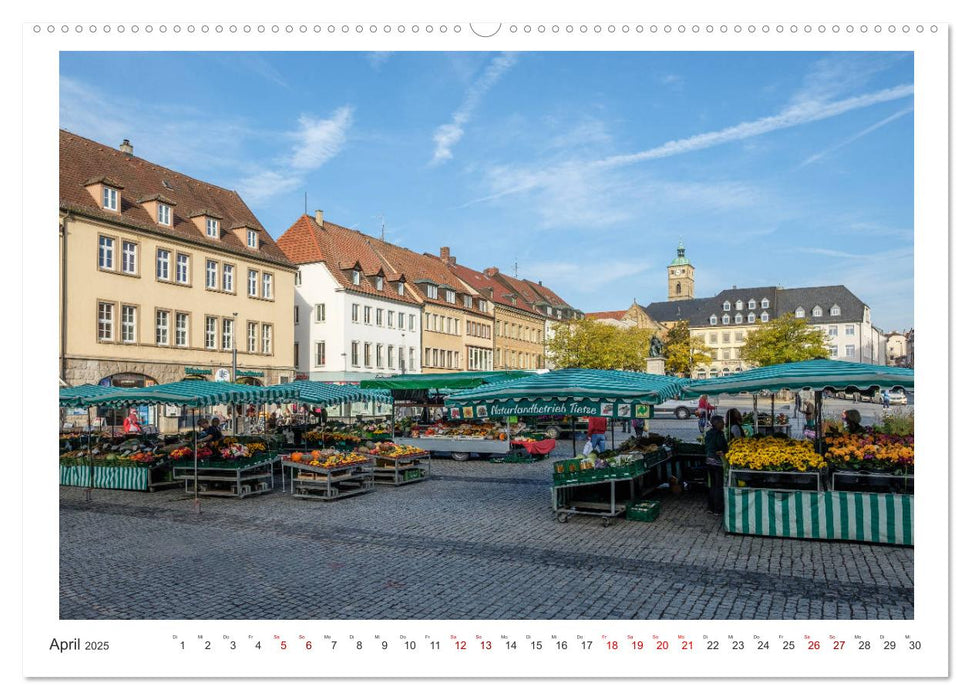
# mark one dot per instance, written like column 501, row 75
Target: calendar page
column 447, row 344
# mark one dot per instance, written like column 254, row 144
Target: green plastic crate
column 643, row 511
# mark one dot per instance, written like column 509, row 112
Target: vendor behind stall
column 715, row 448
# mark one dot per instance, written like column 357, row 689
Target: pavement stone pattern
column 476, row 541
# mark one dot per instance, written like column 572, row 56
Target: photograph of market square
column 531, row 336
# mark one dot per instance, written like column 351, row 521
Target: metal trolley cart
column 307, row 481
column 459, row 448
column 227, row 478
column 574, row 492
column 407, row 469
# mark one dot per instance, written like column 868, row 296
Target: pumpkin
column 502, row 436
column 296, row 456
column 315, row 454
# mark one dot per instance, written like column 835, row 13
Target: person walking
column 704, row 413
column 597, row 433
column 638, row 425
column 716, row 446
column 885, row 395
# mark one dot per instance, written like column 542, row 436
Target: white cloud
column 319, row 140
column 860, row 134
column 262, row 186
column 447, row 135
column 378, row 58
column 578, row 276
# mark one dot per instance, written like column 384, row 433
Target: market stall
column 327, row 475
column 831, row 485
column 590, row 485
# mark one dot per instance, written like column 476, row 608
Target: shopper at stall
column 885, row 397
column 131, row 424
column 638, row 425
column 851, row 417
column 597, row 433
column 734, row 417
column 704, row 413
column 715, row 448
column 796, row 404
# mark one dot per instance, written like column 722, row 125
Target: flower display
column 774, row 454
column 871, row 452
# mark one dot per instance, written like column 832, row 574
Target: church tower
column 681, row 277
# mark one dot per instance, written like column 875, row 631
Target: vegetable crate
column 643, row 511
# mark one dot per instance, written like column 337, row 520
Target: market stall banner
column 816, row 375
column 195, row 394
column 578, row 392
column 75, row 396
column 324, row 394
column 450, row 380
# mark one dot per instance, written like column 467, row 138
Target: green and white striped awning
column 579, row 392
column 194, row 394
column 443, row 380
column 75, row 396
column 324, row 394
column 817, row 375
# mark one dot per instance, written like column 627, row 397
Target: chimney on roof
column 319, row 217
column 540, row 283
column 445, row 255
column 126, row 147
column 492, row 271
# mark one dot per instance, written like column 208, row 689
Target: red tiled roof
column 501, row 291
column 341, row 249
column 85, row 161
column 616, row 315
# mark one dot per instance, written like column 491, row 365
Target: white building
column 353, row 319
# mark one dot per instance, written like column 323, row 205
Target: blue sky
column 585, row 169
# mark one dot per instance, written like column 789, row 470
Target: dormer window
column 835, row 311
column 483, row 307
column 379, row 283
column 751, row 317
column 252, row 238
column 164, row 212
column 431, row 291
column 713, row 320
column 817, row 311
column 449, row 296
column 765, row 303
column 726, row 306
column 751, row 303
column 109, row 198
column 800, row 312
column 212, row 227
column 401, row 289
column 467, row 301
column 739, row 305
column 726, row 319
column 738, row 317
column 765, row 317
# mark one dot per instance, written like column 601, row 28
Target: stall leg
column 87, row 492
column 196, row 505
column 573, row 433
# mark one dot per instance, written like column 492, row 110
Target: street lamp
column 235, row 421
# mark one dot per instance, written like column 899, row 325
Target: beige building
column 162, row 276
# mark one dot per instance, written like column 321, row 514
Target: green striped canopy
column 445, row 380
column 75, row 396
column 324, row 394
column 816, row 375
column 195, row 394
column 583, row 392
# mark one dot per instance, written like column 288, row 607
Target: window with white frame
column 251, row 330
column 738, row 318
column 379, row 355
column 252, row 238
column 320, row 356
column 726, row 336
column 834, row 311
column 765, row 303
column 355, row 354
column 161, row 327
column 355, row 277
column 713, row 320
column 129, row 323
column 739, row 336
column 164, row 214
column 713, row 338
column 483, row 308
column 129, row 257
column 390, row 318
column 401, row 319
column 467, row 301
column 411, row 322
column 355, row 313
column 227, row 277
column 212, row 274
column 817, row 311
column 109, row 198
column 182, row 268
column 726, row 319
column 379, row 283
column 267, row 285
column 379, row 317
column 106, row 253
column 367, row 315
column 181, row 329
column 726, row 306
column 739, row 305
column 849, row 329
column 800, row 312
column 162, row 259
column 210, row 340
column 751, row 317
column 267, row 338
column 401, row 289
column 833, row 331
column 212, row 227
column 320, row 313
column 106, row 321
column 449, row 296
column 251, row 282
column 411, row 359
column 431, row 291
column 765, row 317
column 227, row 334
column 391, row 357
column 751, row 303
column 850, row 351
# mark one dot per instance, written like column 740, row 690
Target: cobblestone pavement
column 476, row 541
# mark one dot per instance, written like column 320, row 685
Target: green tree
column 785, row 339
column 591, row 345
column 683, row 352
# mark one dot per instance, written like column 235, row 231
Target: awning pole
column 195, row 461
column 573, row 433
column 772, row 412
column 819, row 422
column 87, row 494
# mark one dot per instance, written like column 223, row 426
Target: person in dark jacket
column 716, row 446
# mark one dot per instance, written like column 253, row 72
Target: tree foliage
column 683, row 352
column 785, row 339
column 591, row 345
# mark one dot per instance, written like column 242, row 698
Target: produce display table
column 458, row 447
column 540, row 447
column 142, row 477
column 571, row 492
column 407, row 469
column 829, row 515
column 228, row 478
column 329, row 484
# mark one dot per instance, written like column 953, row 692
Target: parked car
column 898, row 397
column 680, row 409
